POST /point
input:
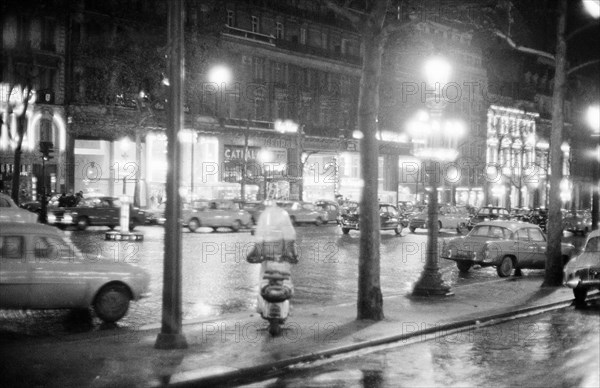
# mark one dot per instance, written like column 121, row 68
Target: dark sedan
column 488, row 213
column 388, row 215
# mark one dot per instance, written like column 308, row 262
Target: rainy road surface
column 217, row 279
column 556, row 349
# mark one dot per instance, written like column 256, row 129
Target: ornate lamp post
column 593, row 117
column 439, row 140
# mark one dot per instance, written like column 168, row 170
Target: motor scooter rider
column 275, row 250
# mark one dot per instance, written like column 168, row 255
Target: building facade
column 33, row 56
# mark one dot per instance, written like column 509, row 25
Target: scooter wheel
column 274, row 327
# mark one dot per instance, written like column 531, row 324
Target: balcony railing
column 249, row 35
column 317, row 51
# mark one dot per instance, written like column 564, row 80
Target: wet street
column 217, row 280
column 556, row 349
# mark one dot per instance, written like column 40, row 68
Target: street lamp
column 219, row 75
column 439, row 140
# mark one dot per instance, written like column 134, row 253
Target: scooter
column 275, row 250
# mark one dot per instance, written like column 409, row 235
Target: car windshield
column 593, row 245
column 489, row 231
column 308, row 206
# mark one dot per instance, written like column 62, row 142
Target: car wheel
column 464, row 266
column 82, row 223
column 133, row 225
column 505, row 268
column 580, row 294
column 319, row 221
column 193, row 224
column 412, row 229
column 345, row 230
column 112, row 302
column 398, row 229
column 236, row 226
column 293, row 220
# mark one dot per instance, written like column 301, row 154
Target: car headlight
column 51, row 218
column 68, row 218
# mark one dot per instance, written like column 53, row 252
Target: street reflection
column 556, row 349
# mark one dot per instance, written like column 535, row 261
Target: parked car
column 449, row 217
column 36, row 206
column 388, row 215
column 42, row 269
column 156, row 215
column 582, row 273
column 304, row 212
column 488, row 213
column 331, row 207
column 215, row 214
column 578, row 223
column 10, row 212
column 506, row 245
column 95, row 211
column 255, row 208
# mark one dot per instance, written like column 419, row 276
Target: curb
column 272, row 369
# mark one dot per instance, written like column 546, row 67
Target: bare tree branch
column 344, row 12
column 523, row 48
column 588, row 63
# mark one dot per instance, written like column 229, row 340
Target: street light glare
column 593, row 7
column 593, row 117
column 437, row 70
column 219, row 74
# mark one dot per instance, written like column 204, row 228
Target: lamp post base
column 431, row 284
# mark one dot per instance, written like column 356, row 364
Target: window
column 11, row 247
column 279, row 30
column 230, row 18
column 536, row 235
column 48, row 29
column 48, row 248
column 522, row 235
column 302, row 35
column 255, row 24
column 258, row 68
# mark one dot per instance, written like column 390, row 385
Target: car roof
column 28, row 228
column 512, row 225
column 594, row 233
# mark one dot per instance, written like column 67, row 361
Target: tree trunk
column 370, row 300
column 554, row 271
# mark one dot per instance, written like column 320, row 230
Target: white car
column 42, row 269
column 10, row 212
column 582, row 273
column 449, row 217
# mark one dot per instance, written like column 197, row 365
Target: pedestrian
column 62, row 200
column 78, row 197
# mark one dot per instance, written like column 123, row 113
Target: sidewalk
column 238, row 345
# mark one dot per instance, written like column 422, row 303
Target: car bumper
column 586, row 278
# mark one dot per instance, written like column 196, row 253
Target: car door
column 537, row 238
column 56, row 277
column 14, row 272
column 524, row 250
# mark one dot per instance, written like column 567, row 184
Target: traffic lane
column 216, row 279
column 555, row 349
